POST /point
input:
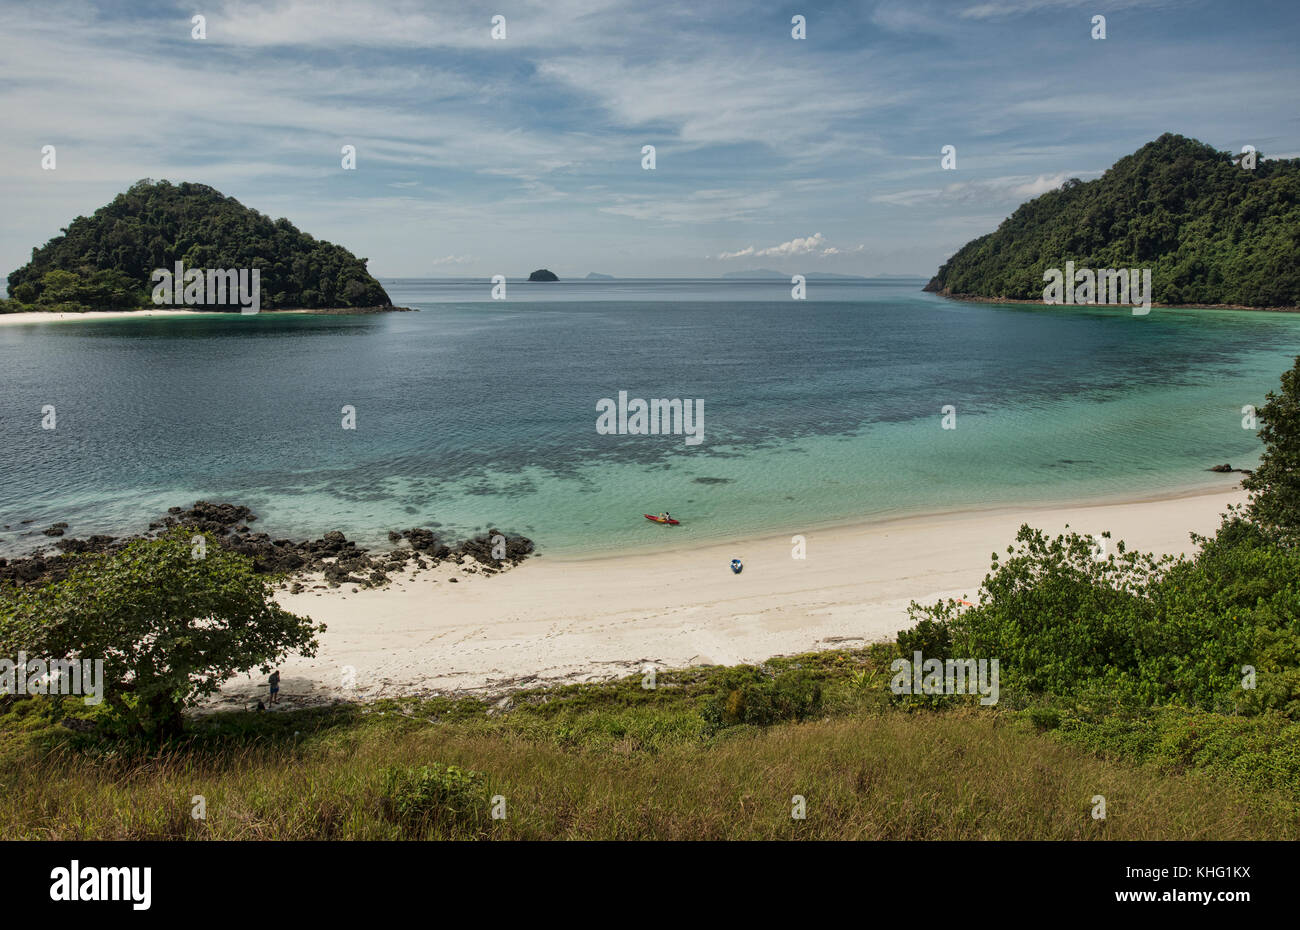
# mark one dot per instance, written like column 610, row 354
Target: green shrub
column 749, row 695
column 1261, row 752
column 1045, row 718
column 1145, row 630
column 930, row 636
column 1275, row 485
column 445, row 799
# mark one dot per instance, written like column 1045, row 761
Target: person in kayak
column 665, row 516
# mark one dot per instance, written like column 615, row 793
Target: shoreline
column 977, row 299
column 864, row 524
column 549, row 622
column 45, row 316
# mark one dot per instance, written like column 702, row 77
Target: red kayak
column 669, row 521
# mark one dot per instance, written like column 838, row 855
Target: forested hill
column 1211, row 232
column 104, row 261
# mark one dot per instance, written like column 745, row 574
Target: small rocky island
column 543, row 274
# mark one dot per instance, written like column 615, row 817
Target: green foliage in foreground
column 615, row 761
column 171, row 619
column 442, row 798
column 104, row 261
column 1150, row 631
column 1275, row 484
column 1210, row 231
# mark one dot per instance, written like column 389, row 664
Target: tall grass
column 960, row 774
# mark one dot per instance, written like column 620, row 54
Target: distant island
column 107, row 261
column 597, row 276
column 1212, row 232
column 542, row 274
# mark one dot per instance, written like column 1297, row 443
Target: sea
column 867, row 400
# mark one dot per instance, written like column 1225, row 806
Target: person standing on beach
column 274, row 682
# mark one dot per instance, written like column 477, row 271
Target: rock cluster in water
column 340, row 560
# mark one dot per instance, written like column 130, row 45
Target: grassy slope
column 617, row 762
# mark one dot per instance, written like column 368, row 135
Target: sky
column 478, row 156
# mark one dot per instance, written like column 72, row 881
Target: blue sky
column 477, row 156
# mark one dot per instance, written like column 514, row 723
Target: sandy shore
column 565, row 621
column 14, row 319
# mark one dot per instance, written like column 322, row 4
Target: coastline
column 43, row 316
column 676, row 542
column 551, row 622
column 978, row 299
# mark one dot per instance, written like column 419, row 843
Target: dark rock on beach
column 77, row 546
column 516, row 548
column 338, row 559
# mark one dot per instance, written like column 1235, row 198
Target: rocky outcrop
column 338, row 559
column 543, row 274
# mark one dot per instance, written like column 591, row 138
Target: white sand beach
column 15, row 319
column 40, row 316
column 549, row 621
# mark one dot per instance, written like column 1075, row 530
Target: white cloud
column 983, row 191
column 807, row 245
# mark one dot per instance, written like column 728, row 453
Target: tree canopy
column 104, row 261
column 171, row 618
column 1211, row 232
column 1275, row 485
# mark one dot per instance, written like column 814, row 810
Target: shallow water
column 476, row 412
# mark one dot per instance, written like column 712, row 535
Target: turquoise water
column 476, row 412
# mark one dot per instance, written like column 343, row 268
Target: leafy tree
column 1275, row 485
column 171, row 622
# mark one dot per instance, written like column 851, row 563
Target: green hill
column 1211, row 231
column 104, row 261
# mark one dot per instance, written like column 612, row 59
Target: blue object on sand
column 736, row 566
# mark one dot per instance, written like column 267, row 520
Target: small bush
column 445, row 799
column 930, row 636
column 748, row 695
column 1045, row 718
